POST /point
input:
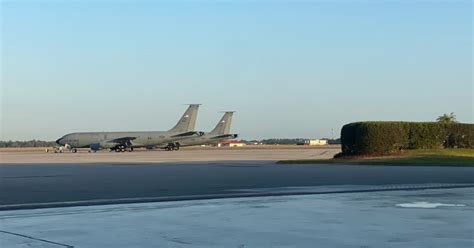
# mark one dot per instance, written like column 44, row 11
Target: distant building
column 316, row 142
column 230, row 143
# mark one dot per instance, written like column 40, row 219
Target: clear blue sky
column 288, row 69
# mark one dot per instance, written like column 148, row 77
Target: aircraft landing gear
column 170, row 147
column 73, row 150
column 173, row 146
column 122, row 149
column 176, row 146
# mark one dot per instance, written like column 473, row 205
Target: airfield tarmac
column 191, row 154
column 47, row 185
column 37, row 179
column 429, row 218
column 180, row 199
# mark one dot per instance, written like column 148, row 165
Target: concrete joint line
column 37, row 239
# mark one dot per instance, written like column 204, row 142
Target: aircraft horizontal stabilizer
column 192, row 133
column 229, row 136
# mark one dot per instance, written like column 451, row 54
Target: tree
column 447, row 118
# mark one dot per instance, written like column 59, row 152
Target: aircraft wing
column 187, row 134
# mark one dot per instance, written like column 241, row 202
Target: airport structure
column 316, row 142
column 231, row 143
column 182, row 134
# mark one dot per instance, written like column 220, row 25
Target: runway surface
column 49, row 183
column 436, row 218
column 191, row 154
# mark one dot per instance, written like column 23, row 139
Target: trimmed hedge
column 459, row 135
column 425, row 135
column 387, row 137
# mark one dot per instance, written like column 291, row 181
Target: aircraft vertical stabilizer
column 187, row 121
column 223, row 127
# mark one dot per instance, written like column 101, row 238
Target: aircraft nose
column 58, row 141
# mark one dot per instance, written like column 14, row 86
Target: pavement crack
column 37, row 239
column 28, row 177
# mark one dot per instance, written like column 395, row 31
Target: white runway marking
column 428, row 205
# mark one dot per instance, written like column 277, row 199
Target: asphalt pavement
column 52, row 183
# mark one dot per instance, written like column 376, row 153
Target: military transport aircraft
column 219, row 133
column 122, row 141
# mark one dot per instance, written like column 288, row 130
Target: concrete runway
column 49, row 183
column 187, row 154
column 436, row 218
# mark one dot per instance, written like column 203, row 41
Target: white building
column 316, row 142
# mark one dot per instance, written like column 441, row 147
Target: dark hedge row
column 387, row 137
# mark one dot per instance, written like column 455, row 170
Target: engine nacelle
column 103, row 145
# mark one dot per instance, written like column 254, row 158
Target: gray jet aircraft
column 219, row 133
column 121, row 141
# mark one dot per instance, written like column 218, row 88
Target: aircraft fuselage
column 105, row 139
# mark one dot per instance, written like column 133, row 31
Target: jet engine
column 103, row 145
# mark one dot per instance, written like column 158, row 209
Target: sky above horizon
column 289, row 69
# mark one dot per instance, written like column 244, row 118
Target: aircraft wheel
column 74, row 150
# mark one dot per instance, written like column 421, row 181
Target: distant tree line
column 294, row 141
column 282, row 141
column 28, row 143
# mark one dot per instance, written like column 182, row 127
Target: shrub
column 373, row 137
column 459, row 135
column 387, row 137
column 349, row 138
column 425, row 135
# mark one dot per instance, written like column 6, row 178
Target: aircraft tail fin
column 188, row 120
column 223, row 127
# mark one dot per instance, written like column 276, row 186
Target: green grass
column 437, row 157
column 461, row 152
